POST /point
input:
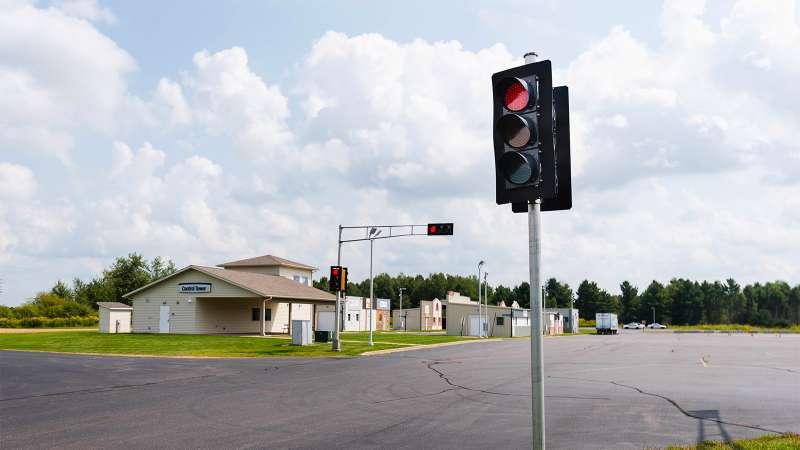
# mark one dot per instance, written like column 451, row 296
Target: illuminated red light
column 432, row 229
column 517, row 96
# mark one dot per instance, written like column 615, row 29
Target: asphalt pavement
column 634, row 390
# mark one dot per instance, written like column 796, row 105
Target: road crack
column 676, row 405
column 99, row 390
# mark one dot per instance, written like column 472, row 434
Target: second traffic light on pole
column 338, row 280
column 440, row 229
column 523, row 133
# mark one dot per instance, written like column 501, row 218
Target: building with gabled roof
column 256, row 295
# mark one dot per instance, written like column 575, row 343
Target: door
column 474, row 325
column 325, row 320
column 163, row 319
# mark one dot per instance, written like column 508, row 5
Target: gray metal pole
column 401, row 307
column 537, row 338
column 480, row 318
column 486, row 301
column 371, row 292
column 537, row 352
column 335, row 345
column 654, row 314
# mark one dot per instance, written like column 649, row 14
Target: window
column 304, row 280
column 268, row 315
column 255, row 313
column 356, row 316
column 437, row 307
column 348, row 317
column 500, row 321
column 296, row 278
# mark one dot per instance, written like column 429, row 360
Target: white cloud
column 58, row 75
column 16, row 182
column 684, row 154
column 85, row 9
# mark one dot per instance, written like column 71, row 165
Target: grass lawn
column 195, row 345
column 401, row 338
column 733, row 327
column 789, row 442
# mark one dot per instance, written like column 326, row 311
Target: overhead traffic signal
column 335, row 281
column 523, row 133
column 440, row 229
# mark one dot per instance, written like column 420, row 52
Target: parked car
column 633, row 326
column 656, row 326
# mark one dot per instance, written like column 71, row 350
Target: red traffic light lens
column 432, row 229
column 516, row 95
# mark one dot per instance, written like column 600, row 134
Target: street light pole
column 654, row 313
column 337, row 315
column 486, row 301
column 480, row 318
column 402, row 321
column 373, row 233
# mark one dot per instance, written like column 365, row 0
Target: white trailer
column 606, row 323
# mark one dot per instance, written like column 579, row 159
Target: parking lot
column 633, row 390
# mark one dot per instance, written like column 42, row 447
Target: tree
column 522, row 294
column 629, row 303
column 654, row 297
column 504, row 294
column 159, row 269
column 590, row 300
column 61, row 290
column 559, row 295
column 686, row 301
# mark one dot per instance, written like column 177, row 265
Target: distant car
column 633, row 326
column 656, row 326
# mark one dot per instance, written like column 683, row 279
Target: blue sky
column 210, row 131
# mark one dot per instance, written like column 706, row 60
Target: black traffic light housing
column 563, row 199
column 335, row 281
column 523, row 133
column 338, row 280
column 440, row 229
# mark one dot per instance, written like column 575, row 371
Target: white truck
column 606, row 323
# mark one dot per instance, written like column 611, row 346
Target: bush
column 586, row 323
column 49, row 322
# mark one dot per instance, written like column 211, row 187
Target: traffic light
column 338, row 280
column 440, row 229
column 335, row 283
column 523, row 133
column 563, row 198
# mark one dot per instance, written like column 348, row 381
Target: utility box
column 301, row 332
column 323, row 336
column 115, row 317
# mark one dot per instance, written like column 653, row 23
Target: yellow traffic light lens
column 516, row 130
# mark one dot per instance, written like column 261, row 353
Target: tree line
column 125, row 274
column 678, row 302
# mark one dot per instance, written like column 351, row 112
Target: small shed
column 115, row 317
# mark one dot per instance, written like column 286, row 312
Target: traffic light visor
column 517, row 95
column 519, row 168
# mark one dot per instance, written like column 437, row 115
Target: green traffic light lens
column 519, row 168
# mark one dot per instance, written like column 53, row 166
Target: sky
column 206, row 132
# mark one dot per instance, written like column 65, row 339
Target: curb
column 427, row 346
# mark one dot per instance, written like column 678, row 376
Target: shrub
column 49, row 322
column 586, row 323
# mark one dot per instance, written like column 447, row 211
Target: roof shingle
column 267, row 260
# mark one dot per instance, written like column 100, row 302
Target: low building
column 115, row 317
column 255, row 295
column 465, row 320
column 428, row 316
column 356, row 314
column 570, row 318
